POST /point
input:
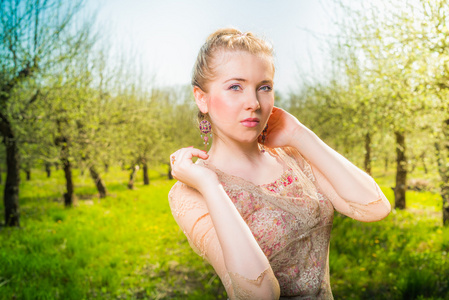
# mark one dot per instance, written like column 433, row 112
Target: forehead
column 228, row 63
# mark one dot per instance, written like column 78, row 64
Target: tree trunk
column 68, row 195
column 63, row 142
column 132, row 176
column 170, row 176
column 443, row 170
column 28, row 174
column 1, row 177
column 368, row 153
column 106, row 167
column 423, row 160
column 146, row 178
column 401, row 171
column 11, row 192
column 445, row 196
column 386, row 164
column 48, row 169
column 98, row 182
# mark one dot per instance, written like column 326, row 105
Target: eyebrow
column 235, row 78
column 267, row 81
column 244, row 80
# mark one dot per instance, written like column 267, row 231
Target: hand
column 283, row 129
column 184, row 170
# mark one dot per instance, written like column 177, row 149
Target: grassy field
column 127, row 246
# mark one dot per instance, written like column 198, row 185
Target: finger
column 276, row 109
column 174, row 156
column 189, row 152
column 194, row 152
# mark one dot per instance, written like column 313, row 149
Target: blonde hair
column 228, row 39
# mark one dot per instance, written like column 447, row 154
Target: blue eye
column 235, row 87
column 266, row 88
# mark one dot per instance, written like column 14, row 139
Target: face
column 240, row 97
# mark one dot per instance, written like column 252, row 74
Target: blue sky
column 168, row 34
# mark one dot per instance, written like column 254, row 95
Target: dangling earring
column 205, row 128
column 264, row 135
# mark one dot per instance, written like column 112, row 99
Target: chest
column 280, row 213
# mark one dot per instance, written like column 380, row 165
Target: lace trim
column 369, row 212
column 307, row 169
column 230, row 177
column 380, row 200
column 244, row 288
column 256, row 281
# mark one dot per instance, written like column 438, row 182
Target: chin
column 248, row 140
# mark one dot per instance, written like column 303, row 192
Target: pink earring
column 264, row 135
column 205, row 128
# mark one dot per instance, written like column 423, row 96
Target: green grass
column 127, row 246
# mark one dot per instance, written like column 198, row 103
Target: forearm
column 351, row 183
column 241, row 252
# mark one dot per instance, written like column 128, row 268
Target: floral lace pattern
column 292, row 226
column 279, row 186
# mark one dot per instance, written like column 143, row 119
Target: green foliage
column 387, row 77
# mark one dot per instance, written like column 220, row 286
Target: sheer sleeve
column 190, row 212
column 375, row 210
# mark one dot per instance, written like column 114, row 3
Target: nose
column 252, row 101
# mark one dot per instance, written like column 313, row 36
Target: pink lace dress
column 290, row 218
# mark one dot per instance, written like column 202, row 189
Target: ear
column 200, row 99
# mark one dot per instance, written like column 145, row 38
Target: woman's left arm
column 352, row 191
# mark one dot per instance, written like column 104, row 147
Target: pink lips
column 250, row 122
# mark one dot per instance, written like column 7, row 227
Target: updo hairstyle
column 229, row 39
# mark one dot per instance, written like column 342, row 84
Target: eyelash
column 233, row 86
column 269, row 88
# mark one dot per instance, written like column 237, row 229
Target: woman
column 259, row 205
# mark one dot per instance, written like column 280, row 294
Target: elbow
column 371, row 212
column 377, row 211
column 268, row 289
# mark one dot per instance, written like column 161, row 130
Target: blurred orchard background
column 94, row 96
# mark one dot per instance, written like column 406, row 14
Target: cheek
column 267, row 109
column 220, row 108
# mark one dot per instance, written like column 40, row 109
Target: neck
column 227, row 153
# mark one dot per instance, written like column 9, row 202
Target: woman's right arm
column 214, row 226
